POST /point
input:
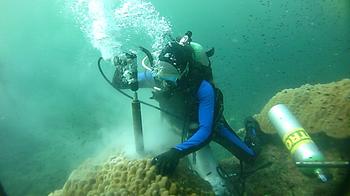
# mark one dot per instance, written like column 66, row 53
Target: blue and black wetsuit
column 212, row 127
column 200, row 105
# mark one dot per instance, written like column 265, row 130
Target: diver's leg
column 206, row 165
column 226, row 137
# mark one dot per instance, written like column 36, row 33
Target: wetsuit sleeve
column 206, row 99
column 146, row 79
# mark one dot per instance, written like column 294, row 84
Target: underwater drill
column 128, row 66
column 296, row 139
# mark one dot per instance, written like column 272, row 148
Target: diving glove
column 166, row 162
column 253, row 134
column 125, row 75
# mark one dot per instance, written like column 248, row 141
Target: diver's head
column 176, row 58
column 174, row 61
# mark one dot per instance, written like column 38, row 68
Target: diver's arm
column 145, row 79
column 206, row 99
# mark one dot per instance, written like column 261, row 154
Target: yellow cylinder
column 295, row 138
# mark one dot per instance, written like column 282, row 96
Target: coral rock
column 120, row 176
column 319, row 108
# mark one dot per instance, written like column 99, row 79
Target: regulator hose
column 109, row 82
column 149, row 55
column 129, row 96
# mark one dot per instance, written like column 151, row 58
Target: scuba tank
column 296, row 139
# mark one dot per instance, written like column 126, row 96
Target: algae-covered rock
column 275, row 172
column 319, row 108
column 324, row 111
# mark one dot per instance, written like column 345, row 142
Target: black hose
column 149, row 55
column 239, row 178
column 229, row 177
column 109, row 82
column 242, row 178
column 130, row 97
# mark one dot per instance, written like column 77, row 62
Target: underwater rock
column 275, row 173
column 121, row 176
column 319, row 108
column 324, row 111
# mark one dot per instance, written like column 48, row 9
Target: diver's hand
column 124, row 59
column 118, row 80
column 125, row 75
column 166, row 162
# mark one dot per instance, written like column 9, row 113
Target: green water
column 56, row 111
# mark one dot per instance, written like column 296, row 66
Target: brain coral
column 120, row 176
column 319, row 108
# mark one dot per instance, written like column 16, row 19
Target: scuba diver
column 183, row 85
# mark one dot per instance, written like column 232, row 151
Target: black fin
column 210, row 52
